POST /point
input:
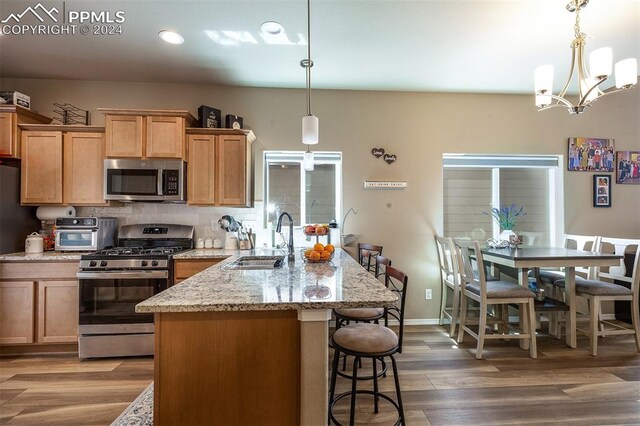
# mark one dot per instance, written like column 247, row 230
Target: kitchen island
column 251, row 346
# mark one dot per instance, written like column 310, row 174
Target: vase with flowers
column 506, row 217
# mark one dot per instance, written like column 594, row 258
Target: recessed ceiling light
column 171, row 37
column 272, row 28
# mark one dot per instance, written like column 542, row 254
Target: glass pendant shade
column 543, row 79
column 626, row 73
column 586, row 85
column 310, row 130
column 601, row 62
column 543, row 100
column 307, row 161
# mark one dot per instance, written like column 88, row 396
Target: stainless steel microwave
column 144, row 180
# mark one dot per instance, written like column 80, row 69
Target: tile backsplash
column 204, row 219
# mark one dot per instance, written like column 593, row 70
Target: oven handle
column 123, row 274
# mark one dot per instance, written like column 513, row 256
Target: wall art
column 601, row 190
column 628, row 171
column 591, row 155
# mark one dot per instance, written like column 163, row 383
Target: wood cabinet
column 83, row 168
column 220, row 168
column 16, row 311
column 201, row 173
column 62, row 165
column 185, row 268
column 38, row 303
column 41, row 171
column 134, row 133
column 10, row 138
column 58, row 311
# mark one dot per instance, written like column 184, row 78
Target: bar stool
column 365, row 253
column 370, row 341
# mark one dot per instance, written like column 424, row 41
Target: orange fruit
column 330, row 248
column 325, row 255
column 307, row 253
column 315, row 255
column 318, row 247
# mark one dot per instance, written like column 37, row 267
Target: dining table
column 528, row 258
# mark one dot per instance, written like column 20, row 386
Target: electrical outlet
column 428, row 295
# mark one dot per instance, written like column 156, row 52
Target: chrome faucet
column 292, row 255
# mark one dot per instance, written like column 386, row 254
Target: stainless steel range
column 114, row 281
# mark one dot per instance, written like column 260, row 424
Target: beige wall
column 418, row 128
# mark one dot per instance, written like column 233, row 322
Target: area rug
column 139, row 412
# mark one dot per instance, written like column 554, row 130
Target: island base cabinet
column 222, row 368
column 16, row 312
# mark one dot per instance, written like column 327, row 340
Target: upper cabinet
column 10, row 117
column 220, row 167
column 132, row 133
column 62, row 165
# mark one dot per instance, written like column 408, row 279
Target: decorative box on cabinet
column 134, row 133
column 62, row 165
column 220, row 168
column 10, row 117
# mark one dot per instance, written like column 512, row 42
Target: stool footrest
column 366, row 392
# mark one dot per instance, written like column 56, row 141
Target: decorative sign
column 369, row 184
column 377, row 152
column 389, row 158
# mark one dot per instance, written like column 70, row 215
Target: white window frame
column 319, row 157
column 554, row 165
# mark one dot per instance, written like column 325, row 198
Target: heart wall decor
column 390, row 158
column 377, row 152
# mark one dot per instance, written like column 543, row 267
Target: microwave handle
column 161, row 179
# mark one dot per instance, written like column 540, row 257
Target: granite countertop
column 47, row 256
column 210, row 254
column 341, row 283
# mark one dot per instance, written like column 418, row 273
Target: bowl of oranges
column 319, row 253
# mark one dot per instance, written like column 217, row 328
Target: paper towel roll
column 52, row 213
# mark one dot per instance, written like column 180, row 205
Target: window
column 309, row 196
column 473, row 184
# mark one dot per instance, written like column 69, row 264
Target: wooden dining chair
column 450, row 280
column 367, row 254
column 605, row 286
column 487, row 293
column 555, row 278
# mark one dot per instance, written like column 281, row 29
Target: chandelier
column 600, row 65
column 310, row 124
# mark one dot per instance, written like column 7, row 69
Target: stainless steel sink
column 256, row 262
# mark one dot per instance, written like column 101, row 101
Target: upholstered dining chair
column 450, row 280
column 487, row 293
column 605, row 287
column 367, row 254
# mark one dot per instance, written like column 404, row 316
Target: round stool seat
column 366, row 338
column 361, row 314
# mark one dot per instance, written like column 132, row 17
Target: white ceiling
column 421, row 45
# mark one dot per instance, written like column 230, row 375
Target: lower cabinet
column 17, row 311
column 57, row 311
column 185, row 268
column 38, row 303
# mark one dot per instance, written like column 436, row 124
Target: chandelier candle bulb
column 626, row 73
column 601, row 62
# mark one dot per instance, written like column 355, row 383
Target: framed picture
column 591, row 155
column 601, row 190
column 628, row 163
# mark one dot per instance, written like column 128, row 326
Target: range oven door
column 108, row 300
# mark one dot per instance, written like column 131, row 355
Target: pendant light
column 310, row 125
column 600, row 67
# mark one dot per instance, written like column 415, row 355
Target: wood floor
column 442, row 383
